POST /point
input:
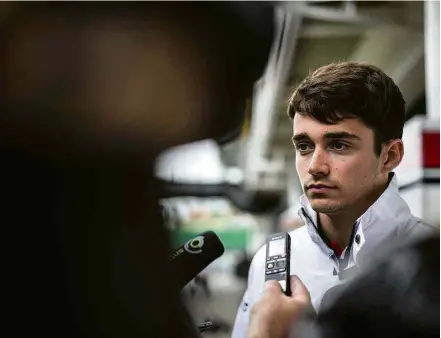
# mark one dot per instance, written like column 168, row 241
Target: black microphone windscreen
column 194, row 256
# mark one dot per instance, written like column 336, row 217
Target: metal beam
column 432, row 57
column 324, row 30
column 391, row 17
column 268, row 93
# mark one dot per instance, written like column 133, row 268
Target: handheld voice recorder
column 278, row 253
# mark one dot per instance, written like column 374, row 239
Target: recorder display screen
column 276, row 247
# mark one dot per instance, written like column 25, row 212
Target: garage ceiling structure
column 388, row 34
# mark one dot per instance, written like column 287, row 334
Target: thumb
column 272, row 286
column 299, row 292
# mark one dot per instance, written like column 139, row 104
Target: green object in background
column 232, row 239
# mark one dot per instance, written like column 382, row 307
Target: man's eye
column 303, row 147
column 338, row 146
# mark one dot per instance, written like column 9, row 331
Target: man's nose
column 319, row 164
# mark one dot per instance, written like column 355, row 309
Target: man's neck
column 337, row 227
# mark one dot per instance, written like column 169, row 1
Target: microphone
column 194, row 256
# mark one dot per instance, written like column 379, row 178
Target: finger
column 272, row 286
column 299, row 291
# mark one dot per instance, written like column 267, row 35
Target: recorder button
column 280, row 264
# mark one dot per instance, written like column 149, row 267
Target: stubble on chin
column 320, row 205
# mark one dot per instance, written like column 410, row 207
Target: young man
column 348, row 122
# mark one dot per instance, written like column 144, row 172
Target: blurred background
column 246, row 187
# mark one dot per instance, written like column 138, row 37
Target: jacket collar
column 389, row 215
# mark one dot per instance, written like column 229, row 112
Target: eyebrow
column 331, row 136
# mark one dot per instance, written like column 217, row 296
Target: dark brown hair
column 344, row 90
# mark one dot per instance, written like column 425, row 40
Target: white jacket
column 316, row 264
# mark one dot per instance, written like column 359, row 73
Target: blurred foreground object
column 91, row 93
column 397, row 297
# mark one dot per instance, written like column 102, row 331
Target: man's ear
column 392, row 153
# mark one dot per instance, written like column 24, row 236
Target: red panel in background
column 431, row 149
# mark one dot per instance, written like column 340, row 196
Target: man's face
column 336, row 164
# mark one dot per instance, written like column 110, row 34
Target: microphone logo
column 194, row 246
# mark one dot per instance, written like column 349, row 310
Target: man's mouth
column 319, row 187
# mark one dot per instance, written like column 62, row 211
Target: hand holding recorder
column 274, row 314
